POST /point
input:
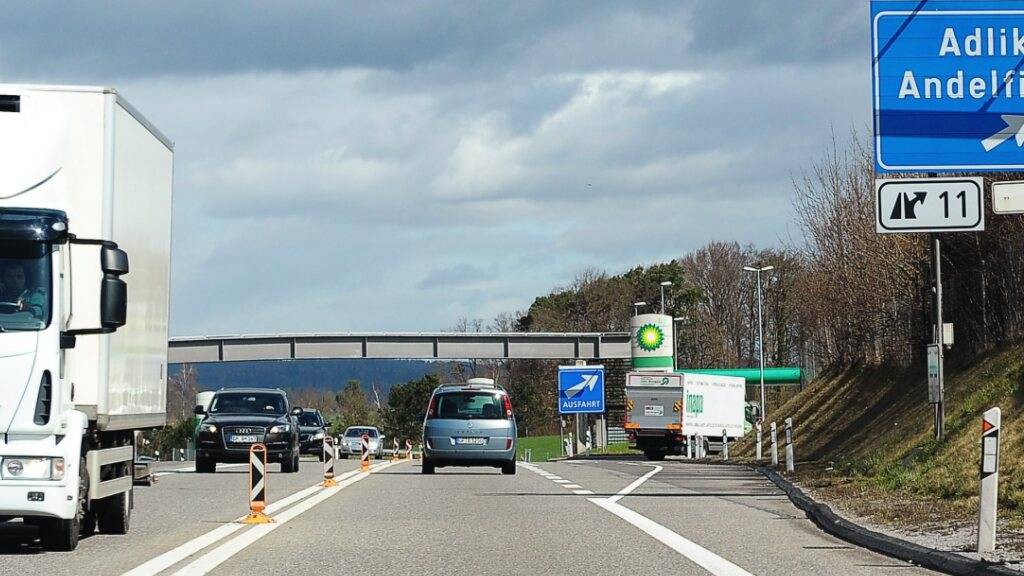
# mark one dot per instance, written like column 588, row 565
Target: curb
column 832, row 523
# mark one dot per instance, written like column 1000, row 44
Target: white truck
column 665, row 410
column 85, row 184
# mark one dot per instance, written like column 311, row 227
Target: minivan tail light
column 432, row 408
column 508, row 406
column 508, row 443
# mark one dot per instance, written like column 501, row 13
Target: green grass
column 543, row 447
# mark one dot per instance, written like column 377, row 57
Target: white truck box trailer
column 664, row 410
column 85, row 188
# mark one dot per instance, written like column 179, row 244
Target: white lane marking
column 207, row 562
column 173, row 556
column 560, row 481
column 571, row 486
column 553, row 477
column 635, row 484
column 703, row 557
column 582, row 492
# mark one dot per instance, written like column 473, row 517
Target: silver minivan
column 469, row 424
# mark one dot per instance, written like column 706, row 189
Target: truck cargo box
column 714, row 403
column 110, row 170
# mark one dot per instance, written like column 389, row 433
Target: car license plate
column 475, row 441
column 247, row 439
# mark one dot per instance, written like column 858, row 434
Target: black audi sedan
column 312, row 431
column 240, row 417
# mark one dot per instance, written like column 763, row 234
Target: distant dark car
column 312, row 431
column 240, row 417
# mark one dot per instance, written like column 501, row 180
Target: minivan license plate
column 249, row 439
column 471, row 440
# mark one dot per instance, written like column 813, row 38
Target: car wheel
column 427, row 467
column 508, row 468
column 206, row 465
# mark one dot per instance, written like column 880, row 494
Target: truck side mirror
column 113, row 290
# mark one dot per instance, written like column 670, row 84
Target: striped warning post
column 329, row 481
column 408, row 449
column 394, row 451
column 364, row 463
column 257, row 486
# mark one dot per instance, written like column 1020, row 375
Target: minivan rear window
column 470, row 406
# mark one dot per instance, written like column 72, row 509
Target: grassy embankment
column 547, row 447
column 869, row 437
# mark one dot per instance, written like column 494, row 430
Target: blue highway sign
column 580, row 389
column 948, row 85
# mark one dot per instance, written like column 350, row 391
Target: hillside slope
column 875, row 425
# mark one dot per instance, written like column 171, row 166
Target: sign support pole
column 940, row 405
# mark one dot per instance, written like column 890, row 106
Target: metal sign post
column 329, row 481
column 257, row 486
column 775, row 445
column 789, row 444
column 940, row 407
column 990, row 424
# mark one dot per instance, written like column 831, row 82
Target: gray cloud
column 398, row 166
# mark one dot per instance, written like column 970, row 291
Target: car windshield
column 357, row 432
column 248, row 403
column 24, row 285
column 309, row 419
column 469, row 406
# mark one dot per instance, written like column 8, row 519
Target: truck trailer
column 665, row 410
column 85, row 188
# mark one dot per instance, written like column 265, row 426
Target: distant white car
column 351, row 442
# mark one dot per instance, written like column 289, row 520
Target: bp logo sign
column 650, row 337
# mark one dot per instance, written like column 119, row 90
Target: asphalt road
column 592, row 518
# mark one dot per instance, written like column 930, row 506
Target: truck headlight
column 29, row 468
column 280, row 429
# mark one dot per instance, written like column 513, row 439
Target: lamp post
column 636, row 307
column 675, row 346
column 663, row 286
column 760, row 331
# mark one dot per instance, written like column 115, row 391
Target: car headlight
column 280, row 429
column 29, row 468
column 211, row 428
column 318, row 436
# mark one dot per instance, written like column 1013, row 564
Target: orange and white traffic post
column 364, row 463
column 408, row 449
column 394, row 451
column 329, row 481
column 257, row 486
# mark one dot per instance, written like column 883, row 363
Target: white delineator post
column 329, row 481
column 364, row 461
column 989, row 480
column 789, row 444
column 757, row 454
column 689, row 447
column 775, row 445
column 725, row 444
column 408, row 449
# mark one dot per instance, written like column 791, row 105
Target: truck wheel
column 61, row 535
column 508, row 468
column 654, row 455
column 114, row 513
column 206, row 465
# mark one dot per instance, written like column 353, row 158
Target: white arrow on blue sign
column 948, row 85
column 580, row 389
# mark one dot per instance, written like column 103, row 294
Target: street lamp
column 760, row 331
column 663, row 285
column 675, row 347
column 636, row 307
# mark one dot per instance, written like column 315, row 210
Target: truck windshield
column 24, row 285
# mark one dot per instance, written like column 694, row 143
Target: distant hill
column 317, row 374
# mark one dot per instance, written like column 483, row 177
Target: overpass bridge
column 409, row 345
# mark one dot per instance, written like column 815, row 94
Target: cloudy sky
column 396, row 167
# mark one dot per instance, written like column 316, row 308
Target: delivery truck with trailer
column 665, row 410
column 85, row 189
